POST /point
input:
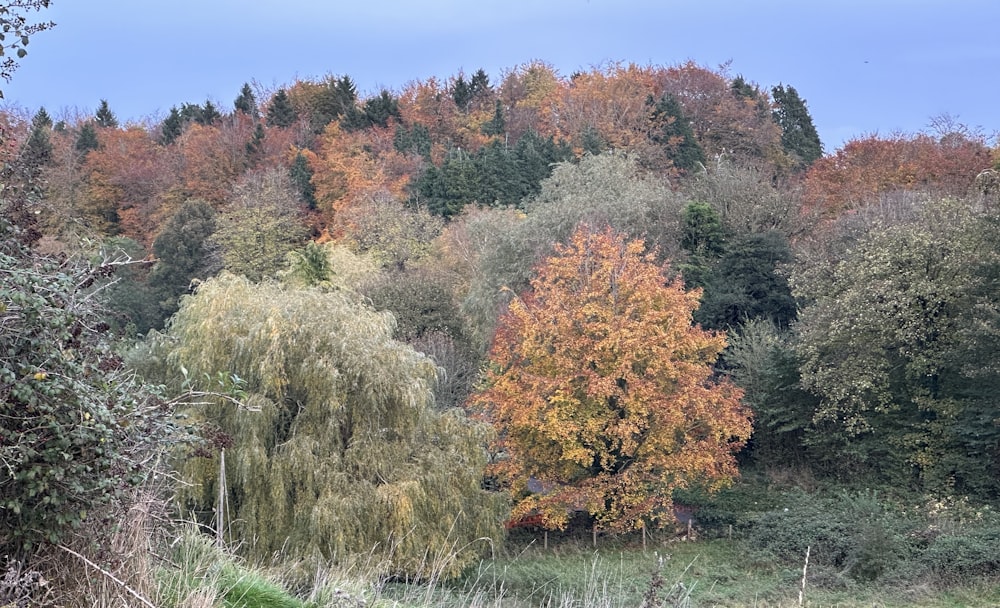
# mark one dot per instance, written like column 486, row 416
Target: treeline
column 329, row 271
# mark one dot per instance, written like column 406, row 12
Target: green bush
column 857, row 535
column 76, row 429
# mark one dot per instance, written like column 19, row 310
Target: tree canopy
column 602, row 390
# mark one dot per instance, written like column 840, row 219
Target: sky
column 863, row 66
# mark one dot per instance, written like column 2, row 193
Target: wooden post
column 595, row 535
column 643, row 537
column 219, row 517
column 546, row 541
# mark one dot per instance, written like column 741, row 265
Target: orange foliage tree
column 353, row 165
column 602, row 391
column 126, row 178
column 870, row 167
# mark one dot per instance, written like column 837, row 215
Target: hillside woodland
column 383, row 329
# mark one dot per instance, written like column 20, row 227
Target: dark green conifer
column 496, row 125
column 280, row 112
column 87, row 139
column 105, row 118
column 209, row 114
column 246, row 102
column 672, row 130
column 172, row 127
column 301, row 175
column 799, row 137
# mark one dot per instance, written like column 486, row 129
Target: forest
column 320, row 332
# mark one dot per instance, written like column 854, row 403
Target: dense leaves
column 336, row 450
column 601, row 390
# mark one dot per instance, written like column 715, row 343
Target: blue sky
column 863, row 66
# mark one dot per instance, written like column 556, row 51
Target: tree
column 37, row 149
column 245, row 102
column 336, row 452
column 172, row 127
column 18, row 31
column 671, row 130
column 87, row 139
column 260, row 225
column 104, row 117
column 799, row 137
column 746, row 284
column 898, row 342
column 601, row 389
column 183, row 253
column 280, row 112
column 301, row 175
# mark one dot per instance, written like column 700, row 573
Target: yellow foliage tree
column 602, row 391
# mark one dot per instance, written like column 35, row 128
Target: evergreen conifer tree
column 280, row 112
column 87, row 139
column 672, row 130
column 172, row 127
column 496, row 125
column 460, row 93
column 246, row 103
column 209, row 114
column 105, row 118
column 301, row 174
column 799, row 137
column 37, row 149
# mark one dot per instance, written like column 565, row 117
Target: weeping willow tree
column 335, row 450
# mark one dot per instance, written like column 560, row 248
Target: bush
column 855, row 534
column 76, row 430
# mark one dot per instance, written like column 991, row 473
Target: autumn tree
column 261, row 223
column 335, row 452
column 602, row 390
column 609, row 189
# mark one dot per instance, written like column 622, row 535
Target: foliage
column 600, row 389
column 799, row 137
column 608, row 188
column 280, row 112
column 76, row 427
column 336, row 451
column 748, row 198
column 672, row 130
column 747, row 283
column 104, row 117
column 868, row 169
column 897, row 340
column 261, row 224
column 17, row 32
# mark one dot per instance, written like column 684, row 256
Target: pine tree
column 105, row 118
column 209, row 114
column 246, row 103
column 496, row 125
column 256, row 142
column 172, row 127
column 37, row 150
column 672, row 130
column 460, row 93
column 87, row 139
column 799, row 137
column 480, row 84
column 301, row 175
column 280, row 112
